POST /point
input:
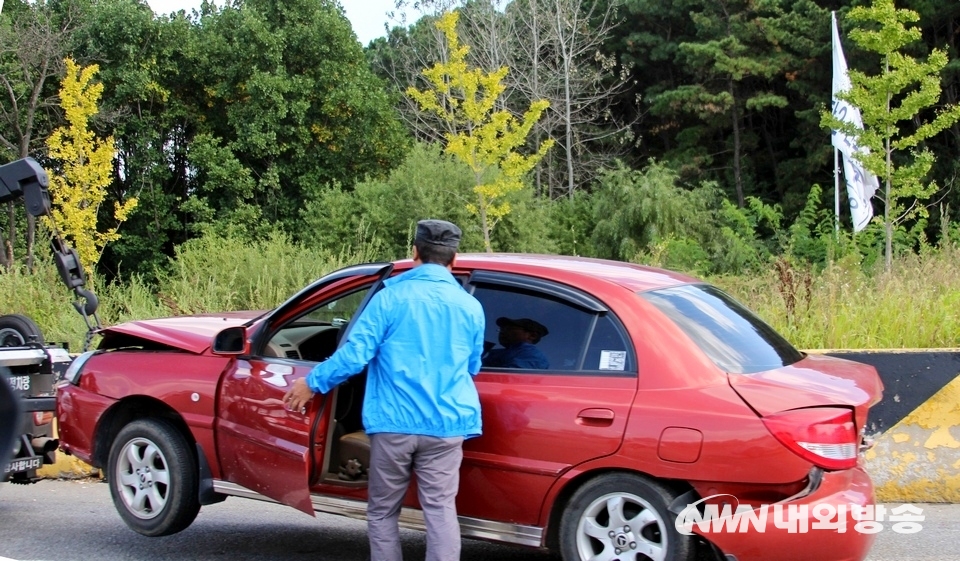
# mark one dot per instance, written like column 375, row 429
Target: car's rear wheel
column 153, row 478
column 17, row 330
column 622, row 517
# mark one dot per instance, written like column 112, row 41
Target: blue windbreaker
column 422, row 337
column 521, row 355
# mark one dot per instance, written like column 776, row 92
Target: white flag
column 861, row 184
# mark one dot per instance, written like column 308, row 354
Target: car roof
column 574, row 270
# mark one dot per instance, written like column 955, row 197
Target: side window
column 608, row 351
column 336, row 312
column 530, row 330
column 313, row 336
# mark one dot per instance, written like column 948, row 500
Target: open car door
column 261, row 445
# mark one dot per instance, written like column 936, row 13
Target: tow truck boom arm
column 27, row 179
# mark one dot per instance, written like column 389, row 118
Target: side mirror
column 230, row 341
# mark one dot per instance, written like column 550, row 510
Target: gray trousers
column 436, row 463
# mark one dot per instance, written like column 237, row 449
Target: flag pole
column 836, row 161
column 836, row 193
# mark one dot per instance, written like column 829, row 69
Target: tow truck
column 29, row 366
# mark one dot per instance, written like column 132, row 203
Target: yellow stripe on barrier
column 918, row 459
column 67, row 467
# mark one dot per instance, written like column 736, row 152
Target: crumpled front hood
column 189, row 333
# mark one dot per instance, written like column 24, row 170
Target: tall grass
column 840, row 307
column 43, row 298
column 917, row 305
column 209, row 274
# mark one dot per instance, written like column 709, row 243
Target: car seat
column 353, row 456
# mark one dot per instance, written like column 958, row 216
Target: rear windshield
column 732, row 336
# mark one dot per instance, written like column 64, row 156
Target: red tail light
column 41, row 418
column 825, row 436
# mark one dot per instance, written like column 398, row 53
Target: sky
column 366, row 16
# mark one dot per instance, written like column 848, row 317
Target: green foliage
column 848, row 307
column 215, row 273
column 487, row 140
column 227, row 120
column 384, row 213
column 806, row 239
column 739, row 60
column 842, row 306
column 381, row 215
column 891, row 103
column 571, row 223
column 41, row 296
column 645, row 216
column 529, row 227
column 149, row 106
column 289, row 94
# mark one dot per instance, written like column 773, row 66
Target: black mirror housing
column 230, row 341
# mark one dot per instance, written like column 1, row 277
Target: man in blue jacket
column 421, row 337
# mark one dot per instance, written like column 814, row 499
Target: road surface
column 76, row 521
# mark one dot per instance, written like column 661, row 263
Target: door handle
column 596, row 417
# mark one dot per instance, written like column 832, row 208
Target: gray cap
column 438, row 232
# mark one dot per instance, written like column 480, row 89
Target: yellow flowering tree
column 485, row 139
column 83, row 170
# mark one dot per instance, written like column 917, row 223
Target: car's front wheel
column 153, row 478
column 622, row 517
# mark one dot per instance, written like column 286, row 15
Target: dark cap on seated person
column 438, row 232
column 526, row 324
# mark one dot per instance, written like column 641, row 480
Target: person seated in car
column 518, row 337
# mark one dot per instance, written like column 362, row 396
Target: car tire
column 622, row 516
column 153, row 478
column 17, row 330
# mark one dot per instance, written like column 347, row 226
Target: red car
column 660, row 392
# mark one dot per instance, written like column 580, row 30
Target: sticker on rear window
column 613, row 360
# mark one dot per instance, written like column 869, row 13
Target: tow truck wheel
column 17, row 330
column 153, row 478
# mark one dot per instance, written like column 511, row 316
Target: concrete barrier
column 68, row 467
column 916, row 426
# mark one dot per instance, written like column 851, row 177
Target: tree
column 78, row 187
column 401, row 56
column 489, row 139
column 900, row 95
column 288, row 105
column 734, row 57
column 558, row 53
column 34, row 38
column 555, row 50
column 151, row 106
column 683, row 103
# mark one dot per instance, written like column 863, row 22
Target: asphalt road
column 76, row 521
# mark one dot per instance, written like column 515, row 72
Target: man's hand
column 298, row 396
